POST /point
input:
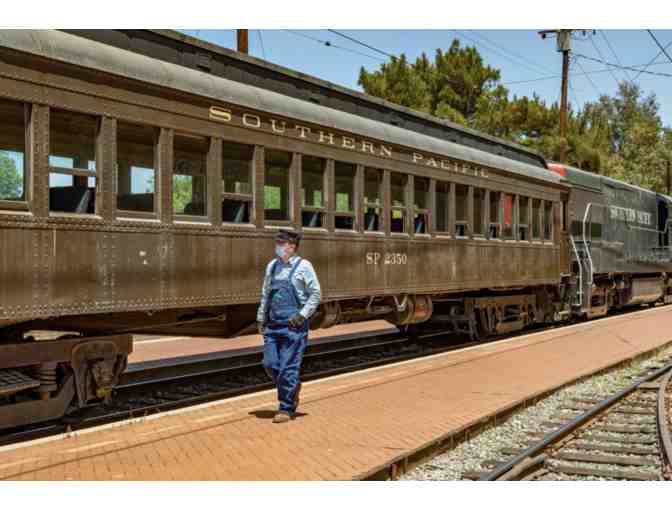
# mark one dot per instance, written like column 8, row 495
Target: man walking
column 290, row 295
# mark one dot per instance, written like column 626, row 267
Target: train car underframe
column 42, row 380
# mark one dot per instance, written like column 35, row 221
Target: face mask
column 279, row 250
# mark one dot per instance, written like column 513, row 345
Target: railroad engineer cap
column 288, row 236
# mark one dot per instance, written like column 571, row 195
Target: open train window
column 548, row 221
column 461, row 208
column 398, row 195
column 237, row 164
column 420, row 205
column 312, row 191
column 190, row 179
column 523, row 218
column 479, row 211
column 536, row 218
column 276, row 185
column 494, row 232
column 72, row 162
column 344, row 175
column 13, row 116
column 373, row 180
column 136, row 174
column 442, row 201
column 507, row 216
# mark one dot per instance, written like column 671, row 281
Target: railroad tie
column 603, row 473
column 604, row 459
column 633, row 450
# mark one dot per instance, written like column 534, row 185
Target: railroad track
column 624, row 436
column 163, row 385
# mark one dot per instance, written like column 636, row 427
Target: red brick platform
column 154, row 348
column 352, row 424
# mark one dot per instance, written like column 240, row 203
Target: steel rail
column 663, row 424
column 570, row 427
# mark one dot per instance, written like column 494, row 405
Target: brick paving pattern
column 351, row 424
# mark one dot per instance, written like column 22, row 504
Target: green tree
column 11, row 180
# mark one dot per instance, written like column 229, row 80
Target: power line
column 510, row 52
column 629, row 68
column 613, row 52
column 578, row 63
column 362, row 43
column 495, row 50
column 599, row 54
column 660, row 45
column 329, row 44
column 261, row 41
column 652, row 60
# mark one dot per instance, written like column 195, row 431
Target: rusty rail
column 537, row 448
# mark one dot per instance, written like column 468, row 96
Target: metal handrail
column 585, row 243
column 578, row 259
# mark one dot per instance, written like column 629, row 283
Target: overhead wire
column 510, row 52
column 261, row 42
column 664, row 50
column 599, row 54
column 629, row 68
column 652, row 60
column 357, row 41
column 586, row 75
column 329, row 44
column 615, row 54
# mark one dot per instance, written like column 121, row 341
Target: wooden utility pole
column 243, row 46
column 563, row 38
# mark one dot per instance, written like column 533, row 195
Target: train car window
column 12, row 150
column 536, row 218
column 548, row 221
column 507, row 216
column 420, row 205
column 494, row 231
column 72, row 162
column 312, row 191
column 344, row 175
column 523, row 218
column 190, row 179
column 442, row 200
column 276, row 185
column 478, row 210
column 373, row 181
column 237, row 164
column 398, row 193
column 136, row 174
column 461, row 208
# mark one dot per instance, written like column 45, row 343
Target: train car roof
column 77, row 51
column 577, row 177
column 184, row 50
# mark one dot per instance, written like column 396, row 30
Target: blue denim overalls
column 283, row 344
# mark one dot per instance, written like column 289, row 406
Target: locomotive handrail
column 578, row 259
column 585, row 243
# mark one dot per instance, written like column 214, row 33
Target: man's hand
column 297, row 321
column 260, row 328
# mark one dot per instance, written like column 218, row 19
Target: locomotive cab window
column 398, row 189
column 344, row 174
column 312, row 191
column 72, row 162
column 13, row 151
column 373, row 180
column 461, row 210
column 237, row 167
column 136, row 175
column 442, row 202
column 420, row 205
column 190, row 175
column 276, row 186
column 479, row 211
column 523, row 218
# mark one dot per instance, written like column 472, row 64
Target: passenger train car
column 151, row 171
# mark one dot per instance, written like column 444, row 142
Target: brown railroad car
column 148, row 195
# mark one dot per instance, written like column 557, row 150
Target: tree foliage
column 11, row 180
column 621, row 136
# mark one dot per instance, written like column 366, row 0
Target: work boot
column 296, row 396
column 281, row 417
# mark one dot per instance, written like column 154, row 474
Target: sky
column 521, row 55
